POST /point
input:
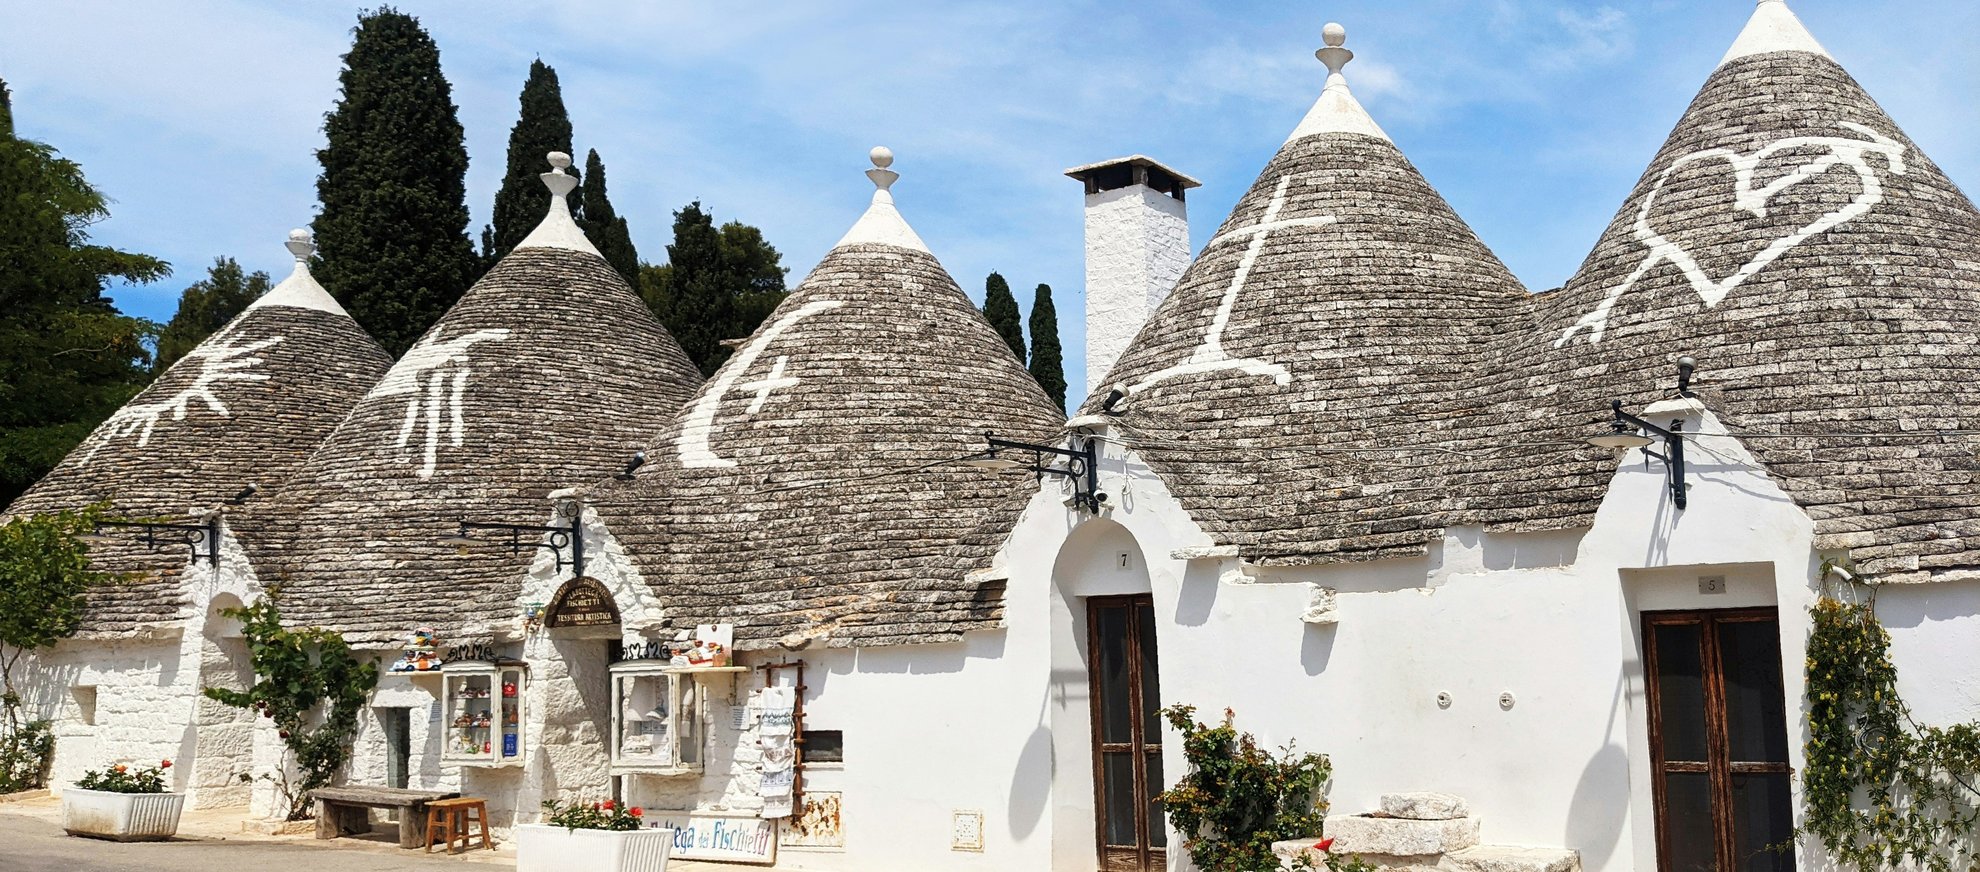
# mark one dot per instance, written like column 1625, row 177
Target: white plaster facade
column 136, row 699
column 1137, row 246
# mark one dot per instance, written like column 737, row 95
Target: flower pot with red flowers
column 123, row 803
column 592, row 837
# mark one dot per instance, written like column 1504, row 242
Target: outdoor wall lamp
column 1624, row 434
column 1082, row 466
column 193, row 536
column 557, row 538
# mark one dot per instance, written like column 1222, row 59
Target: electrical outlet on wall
column 1711, row 584
column 966, row 830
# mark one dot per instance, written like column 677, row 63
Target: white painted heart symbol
column 1852, row 153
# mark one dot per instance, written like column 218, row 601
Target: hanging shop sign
column 718, row 837
column 581, row 602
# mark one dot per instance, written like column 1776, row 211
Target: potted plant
column 592, row 837
column 124, row 804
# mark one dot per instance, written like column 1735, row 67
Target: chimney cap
column 1086, row 172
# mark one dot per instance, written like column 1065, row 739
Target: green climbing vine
column 1239, row 798
column 310, row 684
column 1881, row 790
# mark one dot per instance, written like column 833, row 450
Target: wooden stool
column 452, row 817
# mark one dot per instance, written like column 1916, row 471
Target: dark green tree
column 542, row 127
column 207, row 305
column 718, row 283
column 1047, row 363
column 392, row 234
column 6, row 111
column 68, row 358
column 1002, row 310
column 602, row 224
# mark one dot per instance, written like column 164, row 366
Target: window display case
column 483, row 718
column 659, row 716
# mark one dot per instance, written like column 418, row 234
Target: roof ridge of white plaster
column 1773, row 27
column 558, row 229
column 882, row 224
column 300, row 290
column 1336, row 111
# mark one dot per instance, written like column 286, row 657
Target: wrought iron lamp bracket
column 1673, row 456
column 1082, row 466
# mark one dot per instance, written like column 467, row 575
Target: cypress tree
column 1047, row 365
column 717, row 284
column 6, row 111
column 205, row 306
column 1002, row 310
column 602, row 223
column 392, row 236
column 542, row 127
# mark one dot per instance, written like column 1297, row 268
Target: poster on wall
column 817, row 825
column 717, row 837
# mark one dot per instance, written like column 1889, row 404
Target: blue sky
column 200, row 118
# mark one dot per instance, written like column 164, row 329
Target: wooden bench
column 346, row 811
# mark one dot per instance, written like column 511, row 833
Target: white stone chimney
column 1137, row 245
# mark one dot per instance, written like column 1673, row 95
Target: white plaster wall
column 148, row 702
column 1551, row 618
column 1137, row 246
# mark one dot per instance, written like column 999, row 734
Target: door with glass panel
column 1718, row 740
column 1127, row 733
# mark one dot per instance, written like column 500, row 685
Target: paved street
column 34, row 844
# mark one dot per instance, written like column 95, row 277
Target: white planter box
column 546, row 848
column 125, row 817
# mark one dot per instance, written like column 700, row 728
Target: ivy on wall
column 1880, row 790
column 310, row 684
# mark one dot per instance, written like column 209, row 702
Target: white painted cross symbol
column 692, row 446
column 1209, row 355
column 763, row 386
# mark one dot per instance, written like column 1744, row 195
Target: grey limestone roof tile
column 810, row 492
column 244, row 407
column 549, row 373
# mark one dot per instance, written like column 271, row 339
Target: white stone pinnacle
column 300, row 290
column 558, row 229
column 1772, row 28
column 1336, row 111
column 882, row 224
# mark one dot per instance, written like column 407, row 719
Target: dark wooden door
column 1127, row 733
column 1718, row 740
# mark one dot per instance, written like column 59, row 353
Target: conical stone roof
column 810, row 493
column 1335, row 315
column 243, row 408
column 549, row 372
column 1826, row 276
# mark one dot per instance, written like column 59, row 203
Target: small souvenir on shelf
column 423, row 662
column 711, row 645
column 683, row 643
column 403, row 664
column 423, row 638
column 464, row 720
column 508, row 689
column 482, row 720
column 487, row 747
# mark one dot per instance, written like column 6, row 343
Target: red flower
column 120, row 768
column 636, row 811
column 608, row 806
column 164, row 764
column 1326, row 844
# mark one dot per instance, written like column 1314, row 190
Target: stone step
column 1405, row 837
column 1513, row 858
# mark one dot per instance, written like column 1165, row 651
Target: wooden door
column 1127, row 733
column 1718, row 740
